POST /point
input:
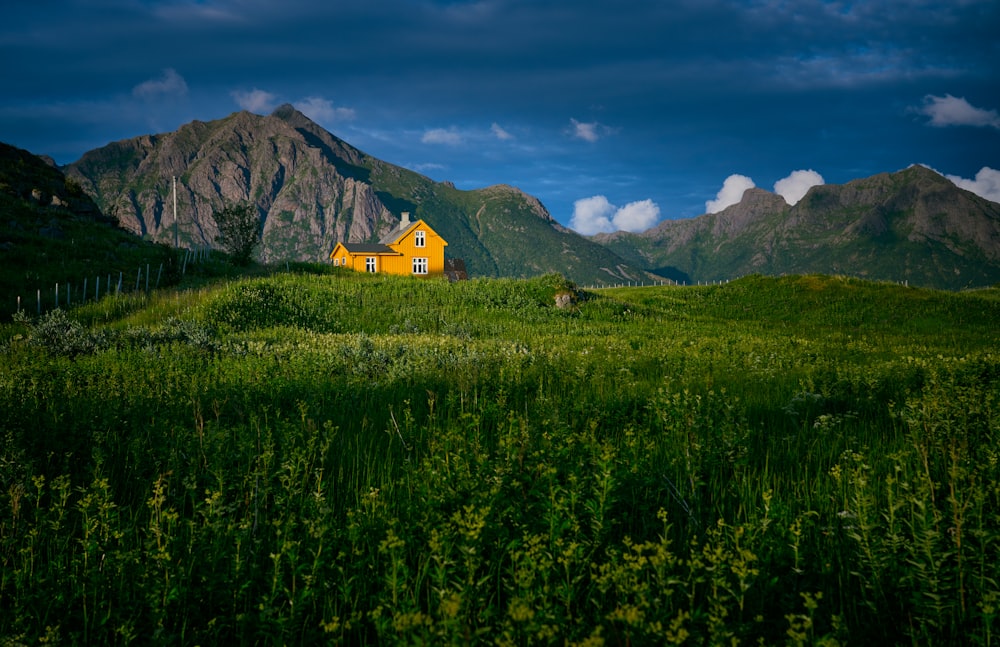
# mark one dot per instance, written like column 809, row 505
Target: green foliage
column 56, row 333
column 239, row 231
column 43, row 247
column 332, row 457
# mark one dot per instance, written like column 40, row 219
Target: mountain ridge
column 313, row 189
column 913, row 225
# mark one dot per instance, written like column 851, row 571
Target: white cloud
column 323, row 110
column 428, row 167
column 585, row 131
column 596, row 214
column 730, row 193
column 449, row 136
column 793, row 187
column 171, row 84
column 500, row 133
column 592, row 215
column 637, row 216
column 256, row 101
column 986, row 185
column 956, row 111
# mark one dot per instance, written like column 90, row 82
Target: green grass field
column 332, row 458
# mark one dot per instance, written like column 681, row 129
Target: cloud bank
column 956, row 111
column 500, row 133
column 171, row 84
column 255, row 101
column 792, row 188
column 596, row 215
column 588, row 132
column 450, row 137
column 730, row 193
column 323, row 111
column 986, row 183
column 795, row 186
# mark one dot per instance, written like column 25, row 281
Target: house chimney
column 404, row 219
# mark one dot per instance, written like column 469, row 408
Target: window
column 420, row 239
column 370, row 264
column 420, row 266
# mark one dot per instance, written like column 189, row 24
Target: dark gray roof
column 368, row 248
column 397, row 233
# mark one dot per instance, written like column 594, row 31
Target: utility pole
column 176, row 244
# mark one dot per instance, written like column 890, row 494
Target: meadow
column 334, row 458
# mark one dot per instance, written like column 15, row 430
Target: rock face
column 300, row 181
column 27, row 176
column 313, row 190
column 914, row 225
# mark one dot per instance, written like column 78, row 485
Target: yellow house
column 412, row 248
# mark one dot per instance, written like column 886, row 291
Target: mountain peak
column 295, row 118
column 756, row 202
column 286, row 111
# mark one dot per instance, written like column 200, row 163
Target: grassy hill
column 357, row 459
column 52, row 233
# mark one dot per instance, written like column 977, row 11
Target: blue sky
column 616, row 114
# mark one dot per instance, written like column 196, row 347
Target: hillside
column 913, row 225
column 51, row 232
column 312, row 190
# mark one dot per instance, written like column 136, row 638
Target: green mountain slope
column 52, row 233
column 914, row 226
column 313, row 190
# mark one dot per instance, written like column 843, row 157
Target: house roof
column 368, row 248
column 398, row 232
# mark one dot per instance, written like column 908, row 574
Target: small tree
column 239, row 231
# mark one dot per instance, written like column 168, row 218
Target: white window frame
column 419, row 265
column 420, row 238
column 371, row 264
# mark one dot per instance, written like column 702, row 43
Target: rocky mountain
column 312, row 190
column 913, row 225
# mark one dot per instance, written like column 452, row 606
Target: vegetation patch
column 332, row 457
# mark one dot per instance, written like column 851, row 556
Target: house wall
column 433, row 251
column 342, row 258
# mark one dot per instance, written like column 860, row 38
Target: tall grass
column 354, row 459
